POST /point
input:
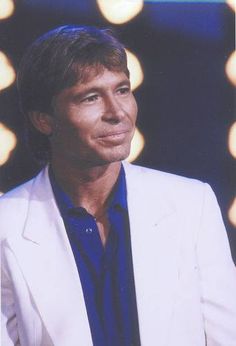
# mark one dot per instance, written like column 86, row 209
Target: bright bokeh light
column 230, row 68
column 137, row 146
column 232, row 213
column 120, row 11
column 6, row 8
column 7, row 143
column 232, row 140
column 7, row 72
column 135, row 69
column 232, row 4
column 1, row 193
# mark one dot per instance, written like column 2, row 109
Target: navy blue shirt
column 106, row 273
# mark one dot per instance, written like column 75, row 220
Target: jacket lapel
column 155, row 238
column 51, row 272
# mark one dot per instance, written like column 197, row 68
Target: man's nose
column 113, row 110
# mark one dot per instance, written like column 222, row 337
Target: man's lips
column 114, row 134
column 114, row 137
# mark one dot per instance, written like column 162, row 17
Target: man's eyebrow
column 90, row 90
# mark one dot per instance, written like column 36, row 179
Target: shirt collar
column 118, row 197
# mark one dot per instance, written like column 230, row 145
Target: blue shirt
column 106, row 273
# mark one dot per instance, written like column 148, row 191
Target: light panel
column 135, row 69
column 232, row 140
column 7, row 8
column 232, row 4
column 232, row 213
column 230, row 68
column 7, row 143
column 120, row 11
column 7, row 72
column 137, row 146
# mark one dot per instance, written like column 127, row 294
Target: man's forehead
column 101, row 79
column 88, row 73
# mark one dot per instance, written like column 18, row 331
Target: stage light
column 120, row 11
column 135, row 69
column 7, row 72
column 232, row 140
column 232, row 213
column 232, row 4
column 7, row 143
column 6, row 8
column 230, row 68
column 137, row 146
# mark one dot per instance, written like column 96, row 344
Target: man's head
column 59, row 60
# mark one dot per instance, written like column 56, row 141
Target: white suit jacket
column 184, row 275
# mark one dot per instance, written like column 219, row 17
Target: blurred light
column 120, row 11
column 6, row 8
column 1, row 193
column 137, row 146
column 7, row 143
column 230, row 68
column 232, row 4
column 135, row 69
column 7, row 72
column 232, row 213
column 232, row 140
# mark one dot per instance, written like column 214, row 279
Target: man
column 97, row 251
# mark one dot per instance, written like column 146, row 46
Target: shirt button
column 89, row 230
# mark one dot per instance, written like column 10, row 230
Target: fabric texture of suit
column 184, row 275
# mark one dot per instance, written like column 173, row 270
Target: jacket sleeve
column 217, row 276
column 9, row 331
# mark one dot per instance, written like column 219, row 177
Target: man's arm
column 217, row 276
column 9, row 332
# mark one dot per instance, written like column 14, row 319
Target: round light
column 232, row 140
column 7, row 143
column 232, row 213
column 7, row 72
column 120, row 11
column 232, row 4
column 137, row 146
column 135, row 69
column 230, row 68
column 6, row 8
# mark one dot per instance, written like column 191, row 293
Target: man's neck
column 88, row 187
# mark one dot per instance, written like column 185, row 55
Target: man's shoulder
column 156, row 178
column 14, row 206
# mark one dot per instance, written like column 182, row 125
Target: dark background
column 186, row 103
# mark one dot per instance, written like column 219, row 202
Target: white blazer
column 184, row 275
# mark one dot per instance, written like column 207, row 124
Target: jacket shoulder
column 13, row 208
column 153, row 177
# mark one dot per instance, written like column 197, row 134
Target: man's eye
column 124, row 90
column 90, row 99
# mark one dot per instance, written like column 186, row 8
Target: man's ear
column 42, row 122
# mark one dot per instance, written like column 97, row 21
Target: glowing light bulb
column 7, row 8
column 7, row 143
column 230, row 68
column 137, row 146
column 135, row 69
column 232, row 4
column 120, row 11
column 232, row 213
column 7, row 72
column 232, row 140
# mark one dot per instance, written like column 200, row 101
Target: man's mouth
column 116, row 137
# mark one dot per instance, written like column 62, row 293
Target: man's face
column 93, row 123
